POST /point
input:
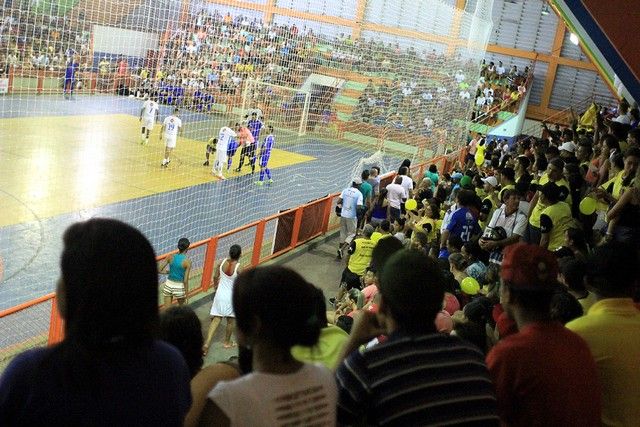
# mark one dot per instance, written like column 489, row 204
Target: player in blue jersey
column 265, row 154
column 70, row 77
column 231, row 150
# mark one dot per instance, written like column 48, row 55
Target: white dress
column 222, row 305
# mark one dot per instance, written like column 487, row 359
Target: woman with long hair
column 380, row 208
column 109, row 370
column 223, row 281
column 275, row 309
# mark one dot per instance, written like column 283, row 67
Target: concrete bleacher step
column 351, row 93
column 345, row 100
column 352, row 85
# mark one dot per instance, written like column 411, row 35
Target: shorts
column 210, row 149
column 148, row 123
column 394, row 213
column 173, row 289
column 170, row 141
column 347, row 229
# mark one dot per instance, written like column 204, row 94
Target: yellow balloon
column 470, row 286
column 411, row 205
column 588, row 206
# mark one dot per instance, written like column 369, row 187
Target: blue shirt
column 267, row 145
column 147, row 386
column 176, row 270
column 255, row 126
column 232, row 147
column 463, row 224
column 70, row 72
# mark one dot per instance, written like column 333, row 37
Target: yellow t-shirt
column 534, row 219
column 611, row 329
column 327, row 351
column 561, row 219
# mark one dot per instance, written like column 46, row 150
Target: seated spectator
column 412, row 390
column 572, row 276
column 108, row 366
column 269, row 325
column 611, row 328
column 180, row 327
column 476, row 268
column 471, row 323
column 458, row 266
column 564, row 306
column 506, row 227
column 555, row 219
column 544, row 374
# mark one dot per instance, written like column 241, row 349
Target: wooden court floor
column 59, row 164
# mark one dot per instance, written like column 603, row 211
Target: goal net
column 344, row 84
column 283, row 107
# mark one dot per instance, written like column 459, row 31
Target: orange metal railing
column 309, row 221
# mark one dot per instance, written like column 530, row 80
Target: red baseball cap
column 529, row 267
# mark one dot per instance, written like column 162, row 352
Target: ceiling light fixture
column 574, row 39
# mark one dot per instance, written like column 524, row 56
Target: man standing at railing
column 347, row 208
column 70, row 77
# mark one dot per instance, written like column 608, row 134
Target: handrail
column 557, row 116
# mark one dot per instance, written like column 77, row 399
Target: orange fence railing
column 38, row 322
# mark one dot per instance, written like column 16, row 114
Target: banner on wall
column 4, row 86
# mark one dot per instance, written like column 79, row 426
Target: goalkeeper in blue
column 265, row 154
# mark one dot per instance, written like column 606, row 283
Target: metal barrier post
column 209, row 263
column 297, row 220
column 40, row 84
column 326, row 214
column 56, row 329
column 257, row 243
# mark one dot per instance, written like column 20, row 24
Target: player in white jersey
column 224, row 137
column 148, row 117
column 171, row 128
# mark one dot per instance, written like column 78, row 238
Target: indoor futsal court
column 67, row 160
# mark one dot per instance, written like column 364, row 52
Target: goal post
column 281, row 106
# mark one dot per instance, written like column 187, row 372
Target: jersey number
column 171, row 126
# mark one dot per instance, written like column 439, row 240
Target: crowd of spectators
column 416, row 103
column 36, row 41
column 493, row 294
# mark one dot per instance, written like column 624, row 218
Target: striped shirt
column 432, row 379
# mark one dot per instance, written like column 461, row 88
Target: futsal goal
column 283, row 107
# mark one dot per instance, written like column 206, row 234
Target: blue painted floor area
column 31, row 250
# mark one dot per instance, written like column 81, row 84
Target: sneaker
column 332, row 301
column 259, row 182
column 220, row 176
column 206, row 163
column 237, row 170
column 339, row 254
column 270, row 181
column 146, row 141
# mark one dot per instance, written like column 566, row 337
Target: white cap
column 491, row 180
column 568, row 146
column 357, row 180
